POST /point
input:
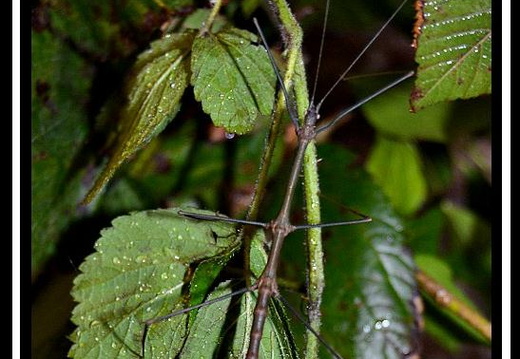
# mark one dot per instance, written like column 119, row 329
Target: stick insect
column 279, row 228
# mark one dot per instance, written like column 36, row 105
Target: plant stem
column 296, row 71
column 293, row 56
column 446, row 300
column 211, row 18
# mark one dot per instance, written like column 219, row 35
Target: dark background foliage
column 81, row 53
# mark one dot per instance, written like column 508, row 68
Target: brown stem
column 448, row 301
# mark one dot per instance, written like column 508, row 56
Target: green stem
column 211, row 18
column 296, row 71
column 293, row 56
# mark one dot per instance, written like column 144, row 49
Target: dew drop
column 94, row 323
column 141, row 259
column 116, row 260
column 229, row 135
column 366, row 328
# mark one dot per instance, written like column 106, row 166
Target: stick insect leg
column 149, row 322
column 304, row 321
column 221, row 218
column 288, row 101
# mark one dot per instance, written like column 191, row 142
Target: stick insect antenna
column 213, row 217
column 302, row 319
column 367, row 46
column 320, row 54
column 206, row 303
column 333, row 224
column 363, row 101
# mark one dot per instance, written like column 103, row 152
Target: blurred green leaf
column 245, row 85
column 392, row 119
column 106, row 30
column 396, row 166
column 59, row 126
column 424, row 231
column 156, row 85
column 466, row 226
column 454, row 52
column 249, row 6
column 470, row 245
column 370, row 285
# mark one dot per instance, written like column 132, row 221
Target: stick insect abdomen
column 266, row 286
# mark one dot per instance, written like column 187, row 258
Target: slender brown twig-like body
column 279, row 229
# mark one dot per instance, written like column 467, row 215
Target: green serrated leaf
column 454, row 51
column 396, row 167
column 136, row 274
column 233, row 79
column 367, row 305
column 159, row 79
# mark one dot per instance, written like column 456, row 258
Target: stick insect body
column 279, row 228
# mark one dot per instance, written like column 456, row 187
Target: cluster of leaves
column 141, row 264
